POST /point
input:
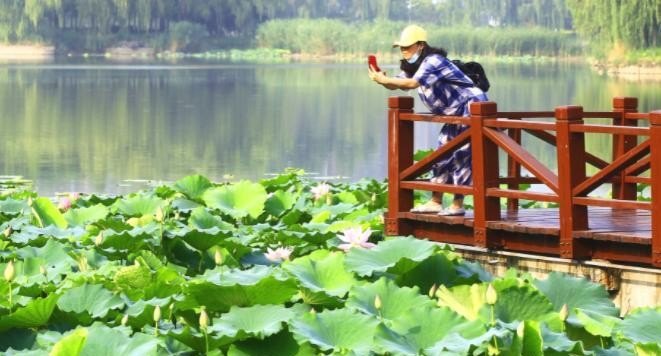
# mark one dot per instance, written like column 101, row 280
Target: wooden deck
column 621, row 229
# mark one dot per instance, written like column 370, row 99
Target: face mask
column 414, row 58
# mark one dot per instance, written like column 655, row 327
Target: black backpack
column 474, row 71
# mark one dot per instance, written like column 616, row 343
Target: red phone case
column 371, row 61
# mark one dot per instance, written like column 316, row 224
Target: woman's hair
column 411, row 68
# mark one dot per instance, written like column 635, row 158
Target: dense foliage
column 94, row 25
column 285, row 266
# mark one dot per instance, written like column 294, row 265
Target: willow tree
column 607, row 23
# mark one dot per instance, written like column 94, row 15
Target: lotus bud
column 312, row 311
column 432, row 291
column 42, row 270
column 30, row 201
column 99, row 239
column 159, row 214
column 10, row 271
column 136, row 263
column 157, row 313
column 564, row 312
column 125, row 319
column 329, row 199
column 373, row 197
column 521, row 329
column 377, row 302
column 82, row 264
column 492, row 296
column 204, row 319
column 176, row 215
column 218, row 257
column 8, row 231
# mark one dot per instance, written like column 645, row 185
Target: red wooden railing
column 635, row 159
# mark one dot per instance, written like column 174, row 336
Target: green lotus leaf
column 91, row 298
column 396, row 302
column 185, row 205
column 202, row 219
column 641, row 326
column 84, row 216
column 387, row 254
column 35, row 314
column 132, row 280
column 71, row 344
column 651, row 349
column 139, row 205
column 258, row 320
column 422, row 328
column 128, row 240
column 197, row 341
column 104, row 341
column 597, row 324
column 12, row 207
column 141, row 312
column 456, row 344
column 521, row 303
column 237, row 200
column 55, row 256
column 466, row 300
column 281, row 344
column 322, row 271
column 436, row 270
column 193, row 187
column 222, row 288
column 339, row 330
column 576, row 292
column 47, row 213
column 279, row 202
column 561, row 343
column 529, row 339
column 203, row 240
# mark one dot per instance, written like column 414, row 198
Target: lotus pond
column 283, row 266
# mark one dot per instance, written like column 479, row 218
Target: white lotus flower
column 279, row 254
column 320, row 190
column 355, row 237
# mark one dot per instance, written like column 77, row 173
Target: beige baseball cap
column 410, row 35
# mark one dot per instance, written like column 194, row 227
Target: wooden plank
column 525, row 114
column 638, row 167
column 522, row 194
column 525, row 158
column 518, row 124
column 443, row 152
column 436, row 187
column 601, row 115
column 607, row 129
column 612, row 203
column 551, row 139
column 454, row 120
column 637, row 116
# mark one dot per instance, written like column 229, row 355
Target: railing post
column 485, row 173
column 571, row 172
column 655, row 174
column 514, row 171
column 624, row 143
column 400, row 156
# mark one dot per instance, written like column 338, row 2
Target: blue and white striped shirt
column 441, row 96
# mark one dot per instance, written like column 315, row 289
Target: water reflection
column 89, row 127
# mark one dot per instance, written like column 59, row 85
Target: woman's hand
column 379, row 77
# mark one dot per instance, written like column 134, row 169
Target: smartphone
column 371, row 61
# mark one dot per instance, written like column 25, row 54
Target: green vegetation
column 284, row 266
column 513, row 27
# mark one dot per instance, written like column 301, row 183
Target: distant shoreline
column 43, row 52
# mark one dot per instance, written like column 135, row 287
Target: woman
column 445, row 90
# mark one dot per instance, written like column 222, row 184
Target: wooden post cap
column 569, row 112
column 400, row 102
column 483, row 108
column 655, row 118
column 625, row 103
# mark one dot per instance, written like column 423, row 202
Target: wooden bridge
column 580, row 226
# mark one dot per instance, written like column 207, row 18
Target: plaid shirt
column 440, row 96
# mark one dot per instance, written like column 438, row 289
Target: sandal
column 452, row 212
column 428, row 207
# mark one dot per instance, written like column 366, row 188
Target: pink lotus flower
column 355, row 237
column 64, row 204
column 320, row 190
column 279, row 254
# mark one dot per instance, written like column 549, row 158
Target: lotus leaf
column 387, row 254
column 237, row 200
column 322, row 271
column 340, row 330
column 193, row 187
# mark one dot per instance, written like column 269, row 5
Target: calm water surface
column 98, row 126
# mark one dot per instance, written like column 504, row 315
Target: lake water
column 94, row 126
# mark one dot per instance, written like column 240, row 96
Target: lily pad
column 237, row 200
column 91, row 298
column 322, row 271
column 387, row 254
column 259, row 321
column 193, row 187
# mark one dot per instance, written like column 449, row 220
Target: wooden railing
column 635, row 159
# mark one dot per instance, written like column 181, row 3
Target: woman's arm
column 393, row 83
